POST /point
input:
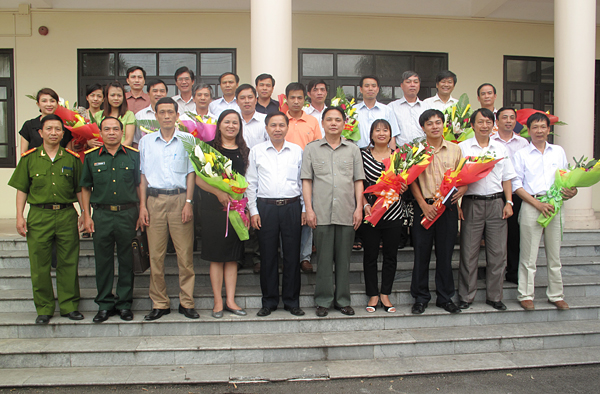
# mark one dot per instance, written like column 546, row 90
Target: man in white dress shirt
column 277, row 211
column 316, row 90
column 485, row 212
column 445, row 82
column 253, row 122
column 369, row 110
column 536, row 166
column 157, row 89
column 506, row 120
column 229, row 84
column 409, row 108
column 184, row 80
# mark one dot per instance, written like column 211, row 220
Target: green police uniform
column 113, row 180
column 51, row 188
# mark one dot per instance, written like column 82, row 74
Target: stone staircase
column 285, row 347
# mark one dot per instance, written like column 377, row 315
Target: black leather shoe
column 75, row 315
column 496, row 305
column 43, row 319
column 156, row 314
column 464, row 305
column 322, row 311
column 126, row 314
column 296, row 311
column 448, row 306
column 190, row 313
column 418, row 308
column 102, row 316
column 263, row 312
column 346, row 310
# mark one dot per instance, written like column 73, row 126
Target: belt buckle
column 114, row 208
column 280, row 203
column 55, row 206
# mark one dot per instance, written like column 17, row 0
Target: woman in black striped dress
column 387, row 231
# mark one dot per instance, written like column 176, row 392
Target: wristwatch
column 510, row 202
column 190, row 201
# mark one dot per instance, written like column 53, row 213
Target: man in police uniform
column 47, row 177
column 110, row 182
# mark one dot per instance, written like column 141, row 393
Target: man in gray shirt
column 332, row 175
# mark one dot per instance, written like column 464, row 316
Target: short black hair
column 445, row 74
column 237, row 79
column 262, row 77
column 135, row 68
column 277, row 113
column 153, row 82
column 535, row 117
column 505, row 109
column 409, row 74
column 428, row 114
column 52, row 117
column 369, row 77
column 486, row 113
column 339, row 109
column 376, row 124
column 485, row 84
column 112, row 117
column 182, row 70
column 314, row 83
column 295, row 86
column 244, row 86
column 166, row 100
column 92, row 88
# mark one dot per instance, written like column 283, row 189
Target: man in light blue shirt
column 369, row 110
column 166, row 206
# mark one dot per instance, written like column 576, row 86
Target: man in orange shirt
column 303, row 128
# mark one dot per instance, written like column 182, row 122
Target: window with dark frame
column 345, row 68
column 106, row 65
column 8, row 147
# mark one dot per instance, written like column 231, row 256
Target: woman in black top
column 47, row 102
column 387, row 231
column 223, row 252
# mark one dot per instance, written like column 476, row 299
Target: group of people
column 305, row 186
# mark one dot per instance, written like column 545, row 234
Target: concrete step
column 239, row 373
column 19, row 258
column 21, row 325
column 250, row 296
column 295, row 347
column 20, row 278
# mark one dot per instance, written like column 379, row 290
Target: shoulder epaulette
column 73, row 153
column 91, row 150
column 132, row 148
column 28, row 152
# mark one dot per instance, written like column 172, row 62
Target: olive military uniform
column 51, row 188
column 114, row 181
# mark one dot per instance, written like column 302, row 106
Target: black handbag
column 141, row 255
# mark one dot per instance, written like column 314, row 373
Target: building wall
column 475, row 47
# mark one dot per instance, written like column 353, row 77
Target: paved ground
column 563, row 380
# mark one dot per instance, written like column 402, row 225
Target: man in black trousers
column 277, row 210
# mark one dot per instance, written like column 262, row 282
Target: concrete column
column 271, row 41
column 574, row 80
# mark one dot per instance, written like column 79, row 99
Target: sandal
column 389, row 309
column 372, row 308
column 357, row 245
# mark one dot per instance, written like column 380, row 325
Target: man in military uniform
column 47, row 177
column 110, row 182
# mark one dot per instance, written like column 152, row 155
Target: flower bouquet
column 82, row 128
column 201, row 127
column 351, row 130
column 215, row 169
column 147, row 126
column 525, row 113
column 470, row 169
column 402, row 167
column 583, row 174
column 457, row 121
